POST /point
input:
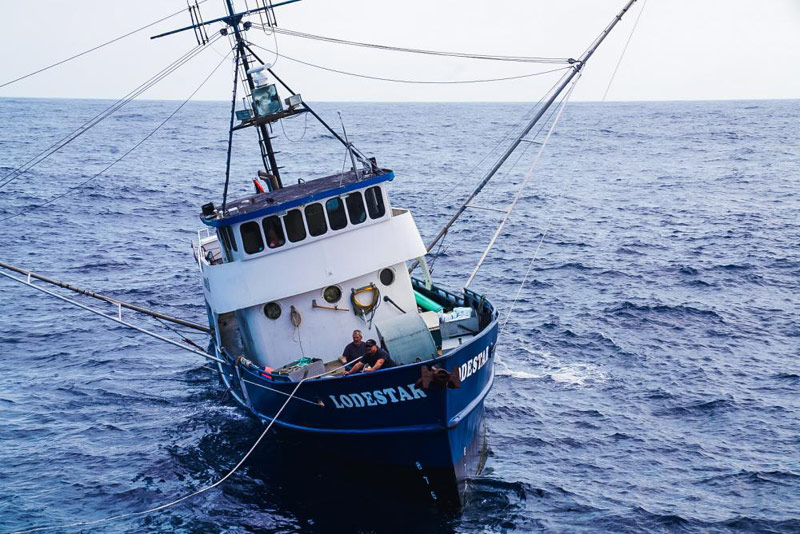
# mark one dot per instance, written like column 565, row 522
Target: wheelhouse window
column 295, row 229
column 336, row 215
column 274, row 232
column 222, row 236
column 375, row 205
column 315, row 218
column 251, row 237
column 355, row 207
column 231, row 237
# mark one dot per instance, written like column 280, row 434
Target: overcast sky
column 681, row 50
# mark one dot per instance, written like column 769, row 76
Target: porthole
column 387, row 276
column 332, row 294
column 272, row 310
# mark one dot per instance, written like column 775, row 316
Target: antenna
column 348, row 145
column 200, row 32
column 233, row 20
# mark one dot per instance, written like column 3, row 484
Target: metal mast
column 269, row 163
column 577, row 66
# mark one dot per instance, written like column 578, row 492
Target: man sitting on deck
column 354, row 350
column 375, row 358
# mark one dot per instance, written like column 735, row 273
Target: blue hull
column 433, row 433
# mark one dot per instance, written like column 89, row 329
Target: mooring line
column 181, row 499
column 201, row 490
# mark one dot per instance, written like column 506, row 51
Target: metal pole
column 115, row 319
column 234, row 23
column 566, row 79
column 230, row 132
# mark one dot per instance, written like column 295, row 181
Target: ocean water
column 648, row 371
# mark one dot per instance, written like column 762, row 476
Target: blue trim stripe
column 277, row 208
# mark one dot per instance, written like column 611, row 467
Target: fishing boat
column 292, row 271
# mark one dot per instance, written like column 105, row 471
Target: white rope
column 636, row 23
column 198, row 492
column 528, row 176
column 549, row 221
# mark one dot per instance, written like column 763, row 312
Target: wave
column 630, row 309
column 710, row 407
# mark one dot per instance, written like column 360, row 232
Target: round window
column 387, row 276
column 272, row 310
column 332, row 294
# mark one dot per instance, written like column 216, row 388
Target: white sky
column 682, row 49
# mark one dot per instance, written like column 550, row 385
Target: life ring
column 360, row 308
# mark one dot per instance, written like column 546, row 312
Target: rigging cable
column 230, row 473
column 185, row 497
column 507, row 135
column 119, row 104
column 398, row 80
column 134, row 147
column 549, row 221
column 94, row 48
column 489, row 57
column 635, row 24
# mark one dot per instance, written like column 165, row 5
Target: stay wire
column 119, row 104
column 625, row 49
column 565, row 101
column 508, row 134
column 406, row 81
column 95, row 48
column 134, row 147
column 489, row 57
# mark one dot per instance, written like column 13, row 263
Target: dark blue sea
column 648, row 373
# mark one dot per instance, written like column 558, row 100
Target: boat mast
column 267, row 152
column 576, row 68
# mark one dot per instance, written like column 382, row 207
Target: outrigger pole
column 575, row 68
column 30, row 276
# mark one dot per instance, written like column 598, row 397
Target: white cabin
column 296, row 270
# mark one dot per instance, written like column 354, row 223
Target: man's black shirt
column 353, row 351
column 372, row 359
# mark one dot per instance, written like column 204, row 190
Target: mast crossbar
column 231, row 20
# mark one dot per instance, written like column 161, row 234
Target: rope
column 93, row 48
column 525, row 181
column 305, row 129
column 134, row 147
column 549, row 221
column 636, row 23
column 201, row 490
column 517, row 59
column 424, row 82
column 119, row 104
